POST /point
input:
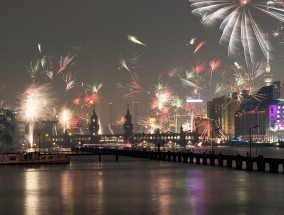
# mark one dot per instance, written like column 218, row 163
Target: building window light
column 278, row 107
column 278, row 111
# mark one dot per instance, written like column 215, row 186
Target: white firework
column 235, row 19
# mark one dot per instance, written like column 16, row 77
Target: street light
column 38, row 142
column 250, row 138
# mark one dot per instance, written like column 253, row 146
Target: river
column 137, row 186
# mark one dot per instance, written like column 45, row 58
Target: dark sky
column 102, row 26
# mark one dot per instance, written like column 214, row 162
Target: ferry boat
column 33, row 158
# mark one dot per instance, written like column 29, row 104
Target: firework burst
column 236, row 20
column 34, row 103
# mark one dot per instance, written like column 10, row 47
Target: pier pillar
column 197, row 160
column 190, row 158
column 151, row 155
column 260, row 165
column 116, row 157
column 273, row 166
column 174, row 158
column 185, row 158
column 179, row 158
column 220, row 161
column 169, row 157
column 249, row 164
column 212, row 161
column 239, row 163
column 100, row 158
column 229, row 162
column 204, row 160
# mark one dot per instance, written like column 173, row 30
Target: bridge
column 158, row 139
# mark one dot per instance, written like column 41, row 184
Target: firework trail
column 236, row 20
column 64, row 62
column 123, row 64
column 34, row 103
column 39, row 47
column 133, row 39
column 69, row 80
column 33, row 69
column 214, row 65
column 199, row 46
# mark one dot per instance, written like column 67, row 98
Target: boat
column 33, row 158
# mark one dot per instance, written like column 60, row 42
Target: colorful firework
column 95, row 87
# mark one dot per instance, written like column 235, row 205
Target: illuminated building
column 222, row 111
column 268, row 77
column 7, row 128
column 267, row 114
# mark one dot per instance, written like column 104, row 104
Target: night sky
column 100, row 28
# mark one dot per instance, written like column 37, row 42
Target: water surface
column 137, row 186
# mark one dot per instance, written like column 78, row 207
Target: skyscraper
column 267, row 77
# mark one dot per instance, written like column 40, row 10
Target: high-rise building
column 221, row 110
column 268, row 77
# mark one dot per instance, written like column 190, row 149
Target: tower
column 267, row 77
column 128, row 125
column 94, row 126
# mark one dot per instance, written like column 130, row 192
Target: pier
column 260, row 163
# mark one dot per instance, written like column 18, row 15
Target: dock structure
column 260, row 163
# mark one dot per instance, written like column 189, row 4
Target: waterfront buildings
column 262, row 117
column 221, row 111
column 7, row 128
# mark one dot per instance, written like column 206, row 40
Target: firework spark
column 135, row 40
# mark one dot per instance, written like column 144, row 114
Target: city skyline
column 96, row 34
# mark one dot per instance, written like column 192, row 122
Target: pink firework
column 77, row 101
column 214, row 65
column 198, row 68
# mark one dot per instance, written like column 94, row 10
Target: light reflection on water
column 31, row 178
column 136, row 186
